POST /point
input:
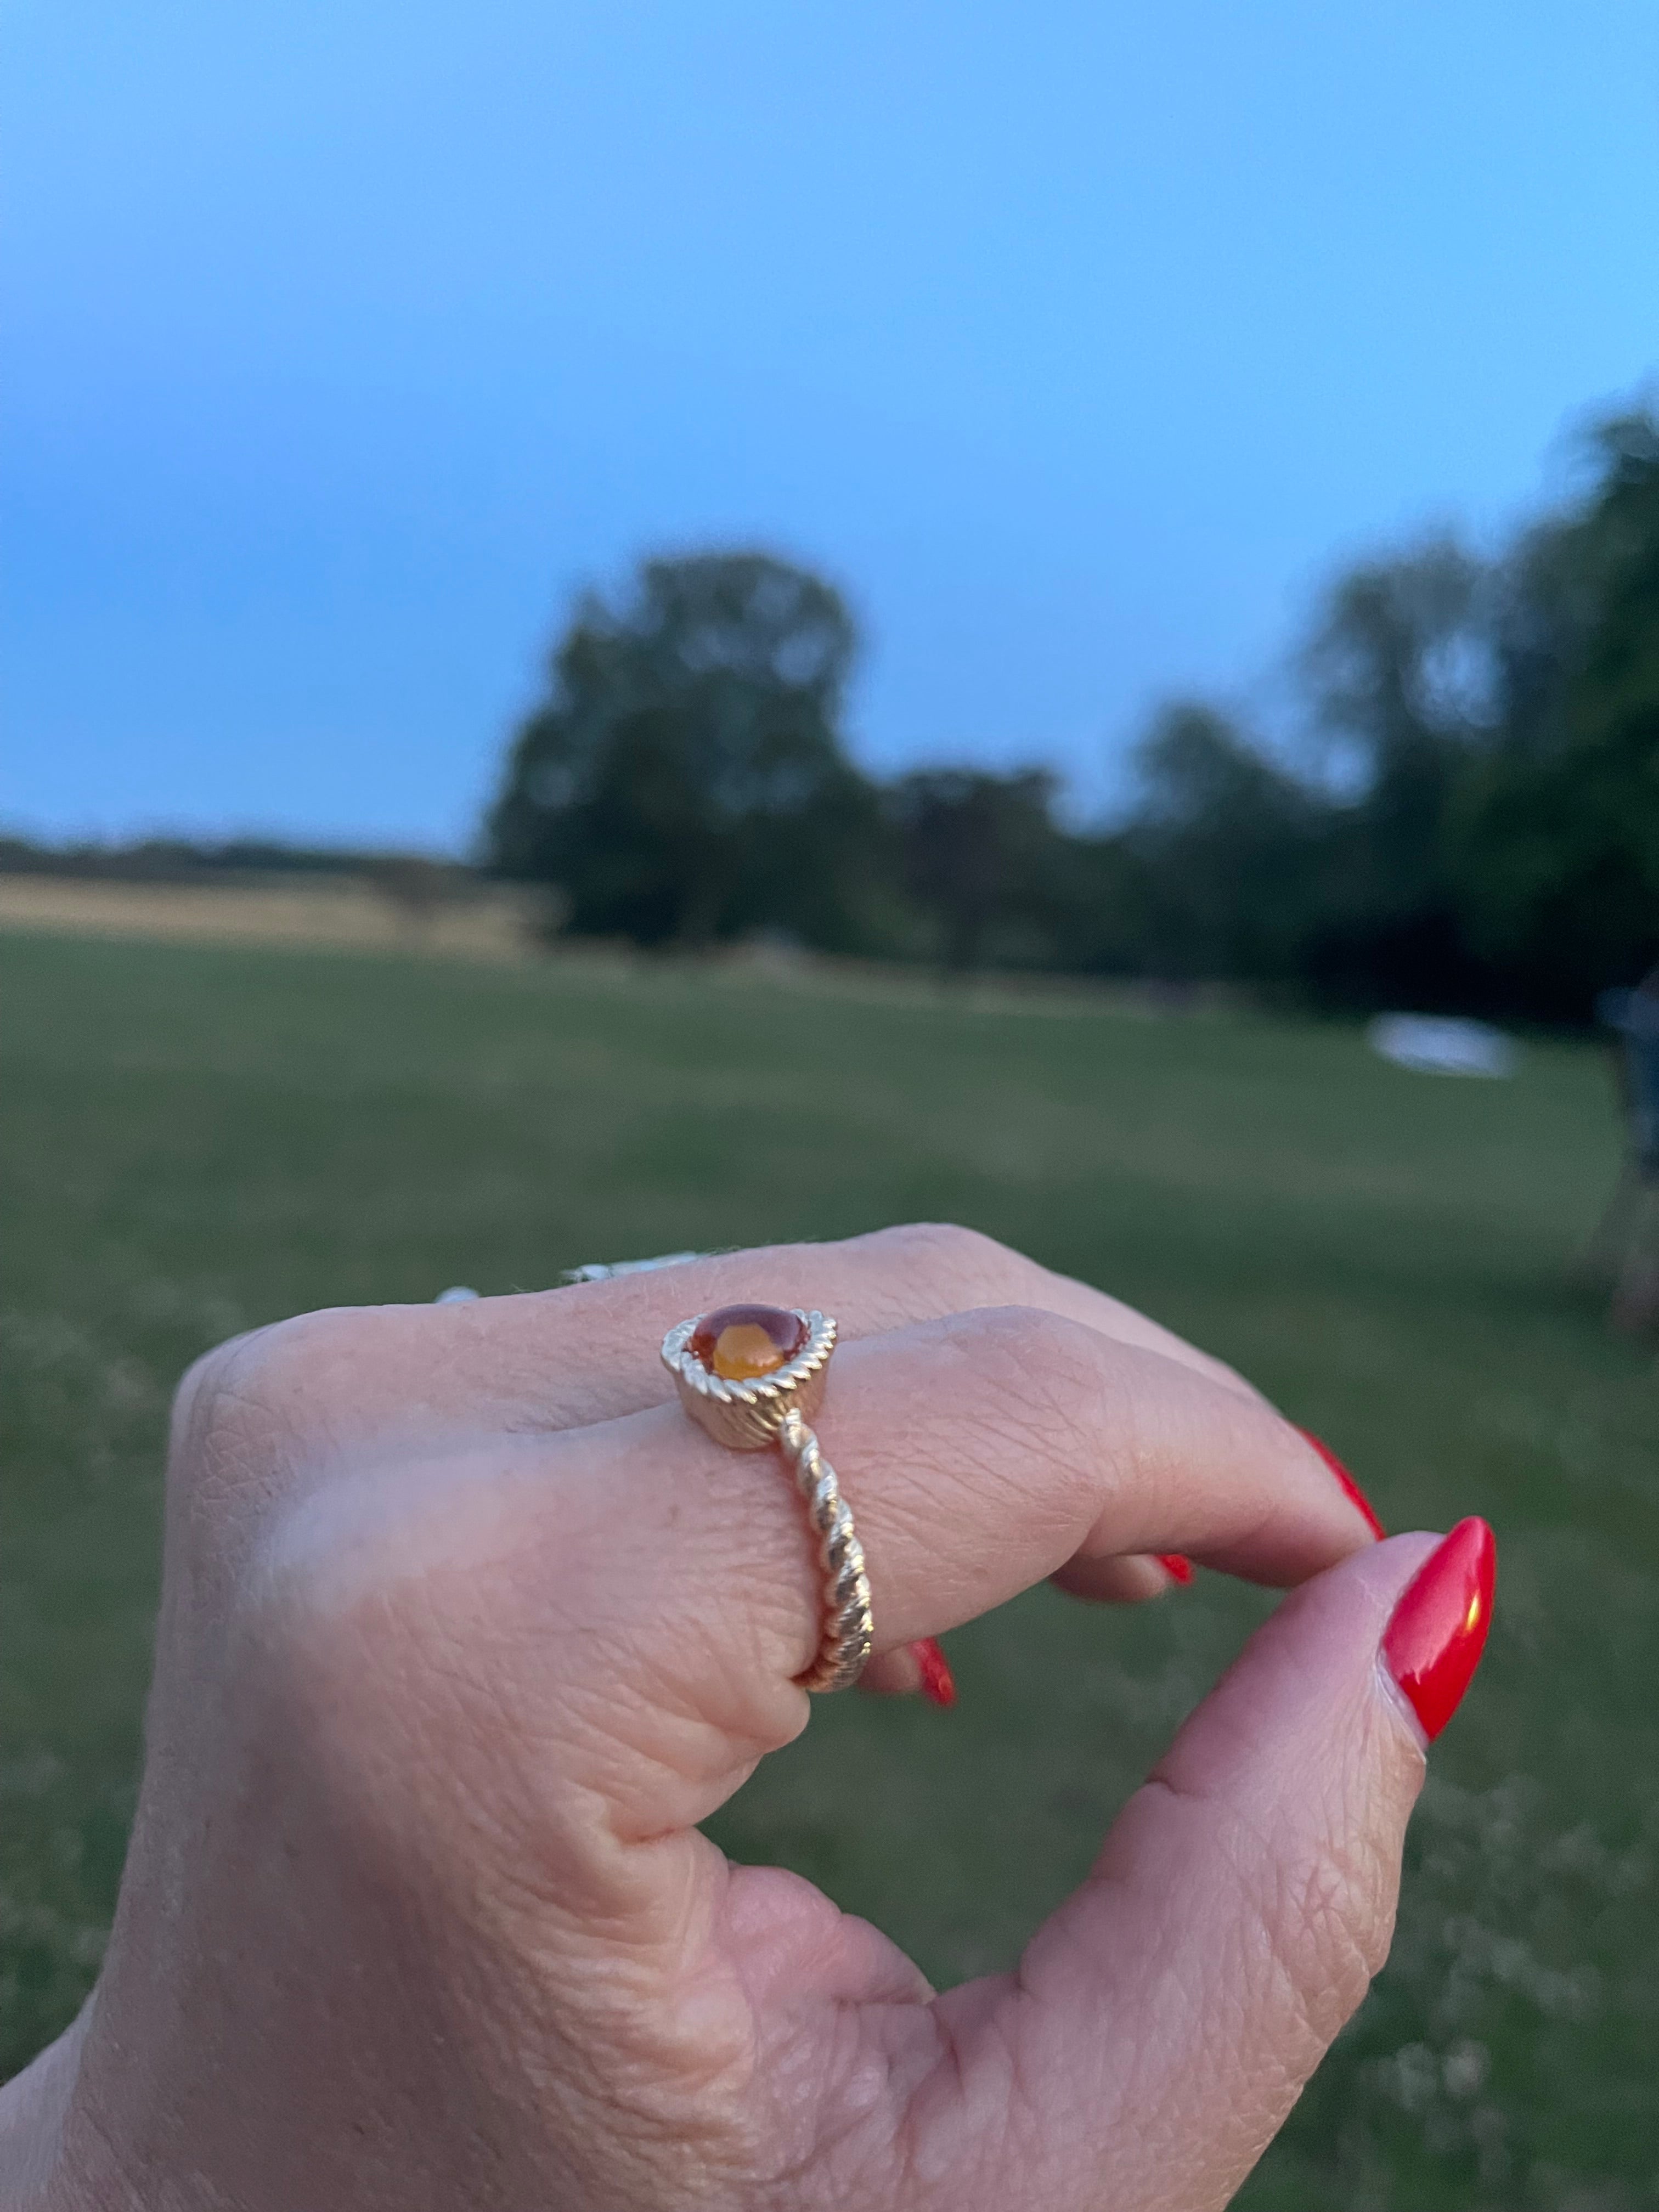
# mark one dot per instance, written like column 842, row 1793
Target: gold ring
column 751, row 1375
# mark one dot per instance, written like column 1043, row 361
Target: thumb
column 1163, row 2022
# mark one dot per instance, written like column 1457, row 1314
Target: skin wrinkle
column 620, row 2070
column 334, row 1681
column 1021, row 1428
column 1259, row 1538
column 217, row 1447
column 1130, row 1449
column 266, row 1380
column 947, row 2080
column 828, row 2136
column 748, row 1530
column 1320, row 1919
column 994, row 2075
column 728, row 1733
column 1138, row 1418
column 1297, row 1923
column 613, row 1732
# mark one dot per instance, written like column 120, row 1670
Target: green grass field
column 196, row 1140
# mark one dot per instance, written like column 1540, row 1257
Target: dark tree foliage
column 1394, row 671
column 1486, row 834
column 1226, row 852
column 979, row 855
column 1556, row 834
column 1478, row 828
column 684, row 781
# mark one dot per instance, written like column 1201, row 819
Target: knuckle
column 965, row 1261
column 261, row 1400
column 279, row 1373
column 206, row 1380
column 215, row 1430
column 1054, row 1370
column 1041, row 1393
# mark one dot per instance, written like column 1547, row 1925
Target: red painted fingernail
column 1433, row 1643
column 1175, row 1565
column 938, row 1682
column 1356, row 1495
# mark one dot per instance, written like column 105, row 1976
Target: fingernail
column 1356, row 1495
column 1175, row 1565
column 938, row 1682
column 1433, row 1641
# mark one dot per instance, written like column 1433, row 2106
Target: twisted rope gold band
column 747, row 1413
column 847, row 1631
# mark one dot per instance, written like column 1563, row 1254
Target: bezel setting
column 746, row 1416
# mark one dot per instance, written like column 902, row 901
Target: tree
column 1482, row 832
column 1489, row 836
column 1229, row 848
column 979, row 853
column 1400, row 675
column 683, row 780
column 1557, row 833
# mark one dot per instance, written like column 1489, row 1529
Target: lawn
column 196, row 1139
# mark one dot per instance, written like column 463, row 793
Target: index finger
column 978, row 1453
column 982, row 1451
column 567, row 1358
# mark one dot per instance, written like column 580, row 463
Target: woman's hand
column 466, row 1627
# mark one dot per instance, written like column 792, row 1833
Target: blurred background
column 1093, row 559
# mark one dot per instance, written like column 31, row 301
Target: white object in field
column 457, row 1295
column 1441, row 1044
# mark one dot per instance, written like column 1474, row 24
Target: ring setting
column 752, row 1376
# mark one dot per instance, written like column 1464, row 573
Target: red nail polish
column 1433, row 1643
column 1175, row 1565
column 1356, row 1495
column 938, row 1682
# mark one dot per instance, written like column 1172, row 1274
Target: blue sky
column 1077, row 342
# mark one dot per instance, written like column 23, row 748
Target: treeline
column 418, row 886
column 173, row 860
column 1472, row 822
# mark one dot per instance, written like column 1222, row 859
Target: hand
column 465, row 1627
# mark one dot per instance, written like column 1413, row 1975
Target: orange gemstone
column 739, row 1343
